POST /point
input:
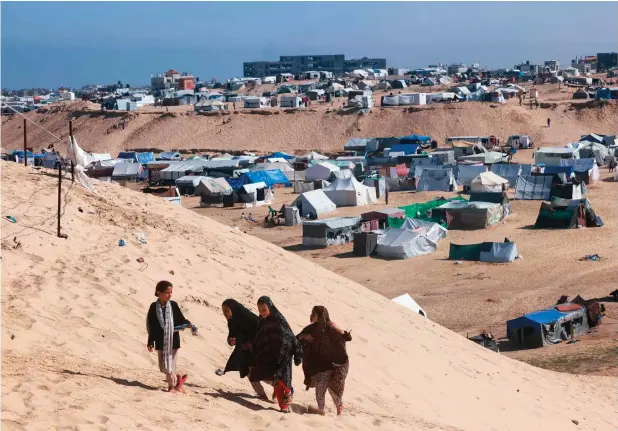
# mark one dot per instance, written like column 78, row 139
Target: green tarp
column 422, row 211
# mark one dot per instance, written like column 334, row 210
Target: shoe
column 181, row 382
column 339, row 410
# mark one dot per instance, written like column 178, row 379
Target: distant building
column 457, row 68
column 585, row 64
column 297, row 64
column 607, row 60
column 552, row 65
column 186, row 82
column 527, row 68
column 164, row 80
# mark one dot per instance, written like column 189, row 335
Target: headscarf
column 327, row 350
column 243, row 323
column 167, row 324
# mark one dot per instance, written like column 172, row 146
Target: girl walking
column 162, row 316
column 325, row 362
column 273, row 349
column 242, row 325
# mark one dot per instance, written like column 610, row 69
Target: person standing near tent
column 326, row 361
column 548, row 122
column 242, row 327
column 386, row 195
column 273, row 349
column 163, row 315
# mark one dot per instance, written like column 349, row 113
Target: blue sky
column 52, row 44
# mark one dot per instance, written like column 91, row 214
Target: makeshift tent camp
column 547, row 327
column 466, row 173
column 269, row 177
column 313, row 204
column 169, row 155
column 144, row 158
column 126, row 171
column 331, row 231
column 407, row 301
column 488, row 182
column 415, row 238
column 586, row 170
column 186, row 185
column 567, row 214
column 533, row 187
column 280, row 155
column 283, row 167
column 471, row 215
column 102, row 168
column 179, row 169
column 484, row 252
column 436, row 180
column 349, row 192
column 320, row 171
column 510, row 172
column 212, row 190
column 423, row 211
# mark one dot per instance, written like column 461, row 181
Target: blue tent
column 144, row 158
column 528, row 330
column 579, row 165
column 128, row 155
column 31, row 155
column 415, row 138
column 269, row 177
column 281, row 155
column 237, row 183
column 405, row 148
column 568, row 170
column 604, row 94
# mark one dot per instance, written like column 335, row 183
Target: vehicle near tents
column 313, row 204
column 484, row 252
column 408, row 302
column 349, row 192
column 567, row 214
column 186, row 185
column 414, row 238
column 467, row 141
column 519, row 141
column 464, row 215
column 436, row 179
column 320, row 171
column 102, row 168
column 533, row 187
column 331, row 231
column 489, row 182
column 212, row 190
column 547, row 327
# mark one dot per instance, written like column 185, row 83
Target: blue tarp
column 128, row 155
column 31, row 155
column 416, row 138
column 568, row 170
column 579, row 165
column 144, row 158
column 464, row 174
column 237, row 183
column 405, row 148
column 544, row 316
column 270, row 177
column 280, row 154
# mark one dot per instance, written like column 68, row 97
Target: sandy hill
column 315, row 129
column 74, row 354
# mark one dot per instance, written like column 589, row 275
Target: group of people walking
column 264, row 348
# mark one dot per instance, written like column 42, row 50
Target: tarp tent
column 533, row 187
column 169, row 155
column 510, row 172
column 269, row 177
column 349, row 192
column 320, row 171
column 187, row 185
column 484, row 252
column 489, row 182
column 415, row 238
column 471, row 215
column 423, row 211
column 283, row 167
column 126, row 171
column 212, row 190
column 546, row 327
column 466, row 173
column 254, row 193
column 313, row 156
column 144, row 158
column 567, row 214
column 436, row 180
column 586, row 170
column 406, row 300
column 331, row 231
column 313, row 204
column 279, row 154
column 551, row 156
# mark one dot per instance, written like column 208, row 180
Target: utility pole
column 25, row 145
column 59, row 196
column 71, row 137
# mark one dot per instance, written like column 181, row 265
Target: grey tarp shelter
column 533, row 187
column 509, row 171
column 414, row 238
column 186, row 185
column 313, row 204
column 126, row 171
column 484, row 252
column 436, row 180
column 331, row 231
column 466, row 173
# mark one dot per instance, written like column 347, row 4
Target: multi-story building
column 457, row 68
column 296, row 64
column 185, row 82
column 607, row 60
column 527, row 68
column 586, row 64
column 551, row 65
column 165, row 80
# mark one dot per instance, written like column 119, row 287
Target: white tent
column 320, row 171
column 415, row 238
column 313, row 156
column 407, row 301
column 283, row 166
column 314, row 203
column 488, row 182
column 349, row 192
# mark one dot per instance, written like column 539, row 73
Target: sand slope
column 301, row 131
column 74, row 356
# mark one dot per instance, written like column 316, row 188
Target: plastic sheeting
column 533, row 187
column 349, row 192
column 320, row 171
column 508, row 171
column 436, row 180
column 269, row 177
column 415, row 238
column 313, row 204
column 407, row 301
column 466, row 173
column 484, row 252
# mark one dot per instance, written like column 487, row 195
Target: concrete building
column 527, row 68
column 164, row 80
column 457, row 68
column 586, row 64
column 552, row 65
column 607, row 60
column 297, row 64
column 186, row 82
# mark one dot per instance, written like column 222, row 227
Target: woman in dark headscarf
column 325, row 360
column 273, row 348
column 242, row 326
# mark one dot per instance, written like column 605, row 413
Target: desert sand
column 73, row 333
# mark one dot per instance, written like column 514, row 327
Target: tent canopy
column 488, row 182
column 349, row 192
column 415, row 238
column 314, row 203
column 320, row 171
column 485, row 252
column 533, row 187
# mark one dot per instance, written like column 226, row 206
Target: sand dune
column 74, row 355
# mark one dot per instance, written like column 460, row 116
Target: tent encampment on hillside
column 488, row 182
column 313, row 204
column 345, row 192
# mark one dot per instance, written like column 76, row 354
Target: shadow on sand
column 122, row 382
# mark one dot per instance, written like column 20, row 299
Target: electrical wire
column 33, row 122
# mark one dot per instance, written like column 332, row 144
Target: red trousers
column 281, row 390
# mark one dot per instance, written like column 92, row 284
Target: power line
column 33, row 122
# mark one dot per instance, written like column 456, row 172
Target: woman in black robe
column 273, row 349
column 325, row 362
column 242, row 326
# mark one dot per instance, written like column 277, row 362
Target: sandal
column 287, row 398
column 181, row 381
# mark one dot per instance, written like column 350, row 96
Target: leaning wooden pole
column 25, row 145
column 59, row 196
column 71, row 137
